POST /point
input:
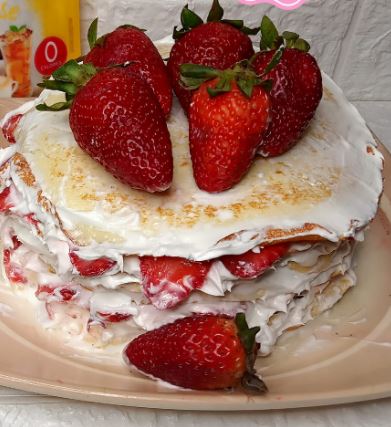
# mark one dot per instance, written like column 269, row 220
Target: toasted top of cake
column 327, row 187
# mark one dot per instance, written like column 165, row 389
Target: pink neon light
column 282, row 4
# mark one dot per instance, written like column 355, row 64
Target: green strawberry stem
column 271, row 39
column 193, row 75
column 69, row 79
column 190, row 20
column 250, row 381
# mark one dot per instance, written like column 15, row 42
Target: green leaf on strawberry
column 92, row 33
column 69, row 78
column 271, row 39
column 216, row 12
column 190, row 20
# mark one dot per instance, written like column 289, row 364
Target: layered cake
column 278, row 246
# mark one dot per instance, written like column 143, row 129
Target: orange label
column 36, row 37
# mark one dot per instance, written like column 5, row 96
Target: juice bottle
column 15, row 45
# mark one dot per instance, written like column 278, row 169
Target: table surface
column 19, row 408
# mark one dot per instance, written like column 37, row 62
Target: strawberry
column 13, row 271
column 90, row 268
column 167, row 281
column 16, row 243
column 218, row 43
column 252, row 263
column 61, row 293
column 202, row 352
column 113, row 317
column 116, row 119
column 5, row 202
column 296, row 92
column 129, row 43
column 10, row 126
column 227, row 118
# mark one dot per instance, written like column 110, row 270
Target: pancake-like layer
column 311, row 278
column 326, row 187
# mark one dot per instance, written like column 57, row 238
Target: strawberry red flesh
column 65, row 294
column 113, row 317
column 117, row 120
column 200, row 352
column 213, row 44
column 16, row 242
column 129, row 43
column 167, row 281
column 13, row 271
column 90, row 268
column 252, row 264
column 5, row 203
column 10, row 126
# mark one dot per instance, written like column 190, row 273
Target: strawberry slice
column 113, row 317
column 252, row 264
column 93, row 267
column 5, row 203
column 10, row 126
column 13, row 272
column 16, row 242
column 30, row 218
column 167, row 281
column 63, row 293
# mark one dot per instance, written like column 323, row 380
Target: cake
column 62, row 213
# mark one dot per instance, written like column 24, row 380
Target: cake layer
column 308, row 280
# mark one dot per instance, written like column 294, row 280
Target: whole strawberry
column 129, row 43
column 227, row 118
column 117, row 120
column 218, row 43
column 296, row 91
column 202, row 352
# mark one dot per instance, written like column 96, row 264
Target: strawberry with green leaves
column 202, row 352
column 218, row 43
column 128, row 43
column 296, row 91
column 117, row 120
column 227, row 118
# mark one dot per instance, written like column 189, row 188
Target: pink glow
column 282, row 4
